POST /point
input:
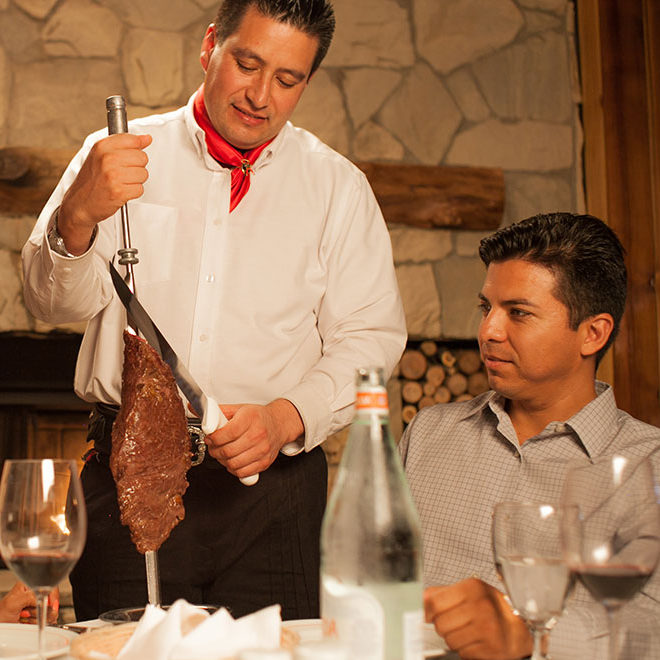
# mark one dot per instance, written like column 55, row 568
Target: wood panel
column 652, row 43
column 593, row 118
column 618, row 50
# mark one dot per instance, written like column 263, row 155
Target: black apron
column 241, row 547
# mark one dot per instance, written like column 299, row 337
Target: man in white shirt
column 265, row 261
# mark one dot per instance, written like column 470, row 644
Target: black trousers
column 242, row 547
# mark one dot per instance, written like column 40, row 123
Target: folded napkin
column 184, row 632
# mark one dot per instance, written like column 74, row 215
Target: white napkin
column 185, row 632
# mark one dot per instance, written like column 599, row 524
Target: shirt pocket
column 154, row 235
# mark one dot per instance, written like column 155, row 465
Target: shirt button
column 210, row 278
column 203, row 337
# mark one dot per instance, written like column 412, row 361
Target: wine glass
column 528, row 556
column 42, row 525
column 612, row 539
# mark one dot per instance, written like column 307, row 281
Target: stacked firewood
column 431, row 373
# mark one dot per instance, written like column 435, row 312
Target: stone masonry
column 456, row 82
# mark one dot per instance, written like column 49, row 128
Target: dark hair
column 584, row 254
column 313, row 17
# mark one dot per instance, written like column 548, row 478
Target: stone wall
column 456, row 82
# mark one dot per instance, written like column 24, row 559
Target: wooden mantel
column 418, row 195
column 438, row 196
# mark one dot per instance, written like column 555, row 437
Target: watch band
column 56, row 242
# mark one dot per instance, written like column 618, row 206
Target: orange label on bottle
column 373, row 400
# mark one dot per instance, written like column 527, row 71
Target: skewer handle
column 117, row 123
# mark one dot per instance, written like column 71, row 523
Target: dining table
column 18, row 640
column 307, row 630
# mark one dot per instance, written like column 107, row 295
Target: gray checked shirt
column 463, row 458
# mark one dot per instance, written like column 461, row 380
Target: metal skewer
column 117, row 123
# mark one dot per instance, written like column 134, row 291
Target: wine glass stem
column 613, row 618
column 42, row 607
column 539, row 636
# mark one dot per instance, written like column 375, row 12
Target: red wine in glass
column 42, row 525
column 41, row 570
column 613, row 583
column 613, row 542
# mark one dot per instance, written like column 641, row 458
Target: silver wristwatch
column 56, row 242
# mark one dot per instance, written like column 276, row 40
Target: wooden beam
column 28, row 177
column 418, row 195
column 438, row 196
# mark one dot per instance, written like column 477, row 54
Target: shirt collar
column 199, row 139
column 595, row 425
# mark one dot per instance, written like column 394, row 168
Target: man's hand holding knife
column 254, row 435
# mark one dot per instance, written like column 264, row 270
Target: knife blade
column 212, row 417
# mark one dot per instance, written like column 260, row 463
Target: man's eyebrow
column 251, row 55
column 520, row 301
column 511, row 302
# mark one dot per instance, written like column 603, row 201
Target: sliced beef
column 150, row 447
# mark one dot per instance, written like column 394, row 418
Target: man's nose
column 492, row 327
column 258, row 93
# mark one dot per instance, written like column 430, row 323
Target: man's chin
column 503, row 386
column 244, row 137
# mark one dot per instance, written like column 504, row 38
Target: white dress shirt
column 284, row 297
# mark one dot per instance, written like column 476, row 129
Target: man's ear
column 596, row 330
column 208, row 43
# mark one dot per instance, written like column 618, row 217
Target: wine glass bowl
column 612, row 537
column 43, row 524
column 528, row 555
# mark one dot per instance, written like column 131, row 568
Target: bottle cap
column 325, row 649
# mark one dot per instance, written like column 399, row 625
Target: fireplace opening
column 40, row 415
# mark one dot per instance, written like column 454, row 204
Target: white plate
column 18, row 641
column 310, row 630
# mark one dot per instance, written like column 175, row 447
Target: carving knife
column 212, row 416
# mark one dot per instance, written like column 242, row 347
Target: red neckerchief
column 225, row 154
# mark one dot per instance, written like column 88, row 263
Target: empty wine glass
column 612, row 538
column 528, row 556
column 42, row 525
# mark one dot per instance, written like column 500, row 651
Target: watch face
column 56, row 242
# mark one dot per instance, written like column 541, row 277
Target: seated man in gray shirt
column 551, row 305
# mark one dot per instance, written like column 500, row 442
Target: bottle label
column 372, row 401
column 413, row 635
column 355, row 617
column 375, row 622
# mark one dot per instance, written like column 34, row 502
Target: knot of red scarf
column 225, row 154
